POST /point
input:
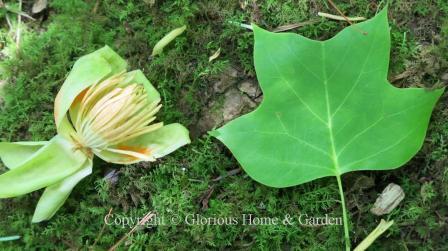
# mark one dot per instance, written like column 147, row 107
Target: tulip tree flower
column 100, row 110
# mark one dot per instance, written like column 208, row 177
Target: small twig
column 247, row 26
column 95, row 8
column 295, row 25
column 9, row 23
column 340, row 18
column 339, row 11
column 256, row 14
column 229, row 173
column 402, row 75
column 21, row 13
column 101, row 231
column 19, row 21
column 196, row 180
column 145, row 219
column 206, row 197
column 345, row 17
column 10, row 238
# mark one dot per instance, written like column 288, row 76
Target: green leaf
column 15, row 153
column 88, row 70
column 55, row 195
column 158, row 48
column 328, row 108
column 49, row 165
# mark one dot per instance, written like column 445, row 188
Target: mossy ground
column 176, row 184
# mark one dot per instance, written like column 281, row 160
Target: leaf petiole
column 344, row 214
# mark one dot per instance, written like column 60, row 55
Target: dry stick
column 2, row 5
column 101, row 231
column 402, row 75
column 206, row 197
column 340, row 18
column 229, row 173
column 95, row 8
column 345, row 17
column 294, row 25
column 9, row 23
column 23, row 14
column 19, row 21
column 145, row 219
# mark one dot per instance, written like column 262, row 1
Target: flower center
column 109, row 113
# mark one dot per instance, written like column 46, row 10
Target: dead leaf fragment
column 215, row 55
column 150, row 2
column 389, row 199
column 39, row 6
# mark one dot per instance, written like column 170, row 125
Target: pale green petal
column 66, row 129
column 55, row 195
column 15, row 153
column 156, row 144
column 50, row 164
column 86, row 71
column 164, row 140
column 119, row 158
column 116, row 158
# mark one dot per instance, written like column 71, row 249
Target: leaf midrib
column 330, row 115
column 334, row 156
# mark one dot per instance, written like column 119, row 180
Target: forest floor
column 201, row 95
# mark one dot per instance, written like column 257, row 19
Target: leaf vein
column 382, row 151
column 294, row 91
column 358, row 78
column 359, row 135
column 304, row 142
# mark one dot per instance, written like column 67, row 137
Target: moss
column 176, row 184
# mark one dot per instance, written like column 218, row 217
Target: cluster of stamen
column 109, row 113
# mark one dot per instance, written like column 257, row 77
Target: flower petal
column 13, row 154
column 86, row 71
column 66, row 129
column 50, row 164
column 153, row 145
column 55, row 195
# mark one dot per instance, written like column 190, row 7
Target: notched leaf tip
column 214, row 133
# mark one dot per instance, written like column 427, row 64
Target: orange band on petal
column 142, row 150
column 80, row 97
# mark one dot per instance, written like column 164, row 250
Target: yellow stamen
column 109, row 113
